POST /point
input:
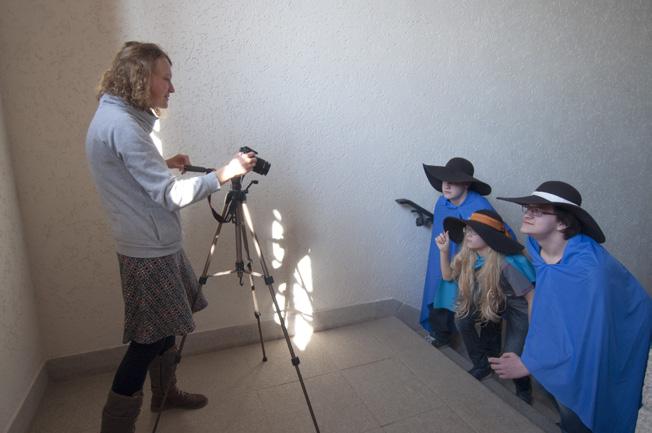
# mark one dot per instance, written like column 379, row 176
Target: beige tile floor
column 374, row 377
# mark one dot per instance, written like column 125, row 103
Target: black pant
column 442, row 323
column 569, row 421
column 482, row 346
column 132, row 371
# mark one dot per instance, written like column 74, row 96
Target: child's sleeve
column 519, row 282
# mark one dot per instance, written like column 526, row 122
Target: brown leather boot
column 120, row 413
column 162, row 370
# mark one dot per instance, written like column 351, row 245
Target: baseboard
column 410, row 316
column 26, row 411
column 106, row 360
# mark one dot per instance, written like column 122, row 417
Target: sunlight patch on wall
column 277, row 251
column 295, row 303
column 280, row 298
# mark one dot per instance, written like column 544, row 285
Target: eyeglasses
column 535, row 211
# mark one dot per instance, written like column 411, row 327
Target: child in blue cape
column 462, row 194
column 591, row 321
column 495, row 283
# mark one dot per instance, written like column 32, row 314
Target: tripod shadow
column 295, row 290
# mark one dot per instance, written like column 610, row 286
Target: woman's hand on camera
column 241, row 164
column 178, row 161
column 443, row 242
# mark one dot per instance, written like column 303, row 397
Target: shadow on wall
column 59, row 51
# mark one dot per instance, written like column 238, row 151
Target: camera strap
column 198, row 169
column 216, row 215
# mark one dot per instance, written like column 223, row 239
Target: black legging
column 132, row 371
column 479, row 347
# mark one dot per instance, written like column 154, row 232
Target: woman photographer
column 143, row 199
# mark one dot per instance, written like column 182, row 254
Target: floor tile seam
column 464, row 420
column 372, row 429
column 324, row 374
column 388, row 350
column 416, row 376
column 291, row 381
column 482, row 428
column 492, row 381
column 424, row 382
column 366, row 363
column 416, row 345
column 362, row 400
column 525, row 412
column 414, row 415
column 263, row 412
column 445, row 401
column 442, row 397
column 379, row 422
column 374, row 336
column 429, row 384
column 355, row 339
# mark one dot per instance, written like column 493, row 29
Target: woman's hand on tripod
column 241, row 164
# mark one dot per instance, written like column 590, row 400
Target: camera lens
column 262, row 166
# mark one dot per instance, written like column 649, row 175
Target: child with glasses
column 495, row 283
column 591, row 321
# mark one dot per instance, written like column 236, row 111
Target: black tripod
column 235, row 210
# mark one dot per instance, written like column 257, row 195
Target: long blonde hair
column 130, row 73
column 492, row 297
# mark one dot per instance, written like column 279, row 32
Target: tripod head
column 236, row 196
column 236, row 185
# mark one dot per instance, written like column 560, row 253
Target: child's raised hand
column 443, row 242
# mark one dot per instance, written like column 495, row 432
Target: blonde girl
column 495, row 283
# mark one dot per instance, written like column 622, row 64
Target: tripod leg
column 269, row 282
column 202, row 282
column 245, row 244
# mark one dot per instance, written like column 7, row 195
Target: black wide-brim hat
column 562, row 195
column 456, row 170
column 489, row 226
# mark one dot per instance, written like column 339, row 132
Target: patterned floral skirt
column 158, row 293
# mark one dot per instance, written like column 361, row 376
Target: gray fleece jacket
column 141, row 196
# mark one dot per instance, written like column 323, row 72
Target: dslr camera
column 262, row 166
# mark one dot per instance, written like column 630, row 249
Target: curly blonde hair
column 130, row 72
column 492, row 297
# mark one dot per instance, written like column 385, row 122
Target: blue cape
column 448, row 291
column 589, row 334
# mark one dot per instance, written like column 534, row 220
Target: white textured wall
column 21, row 355
column 346, row 99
